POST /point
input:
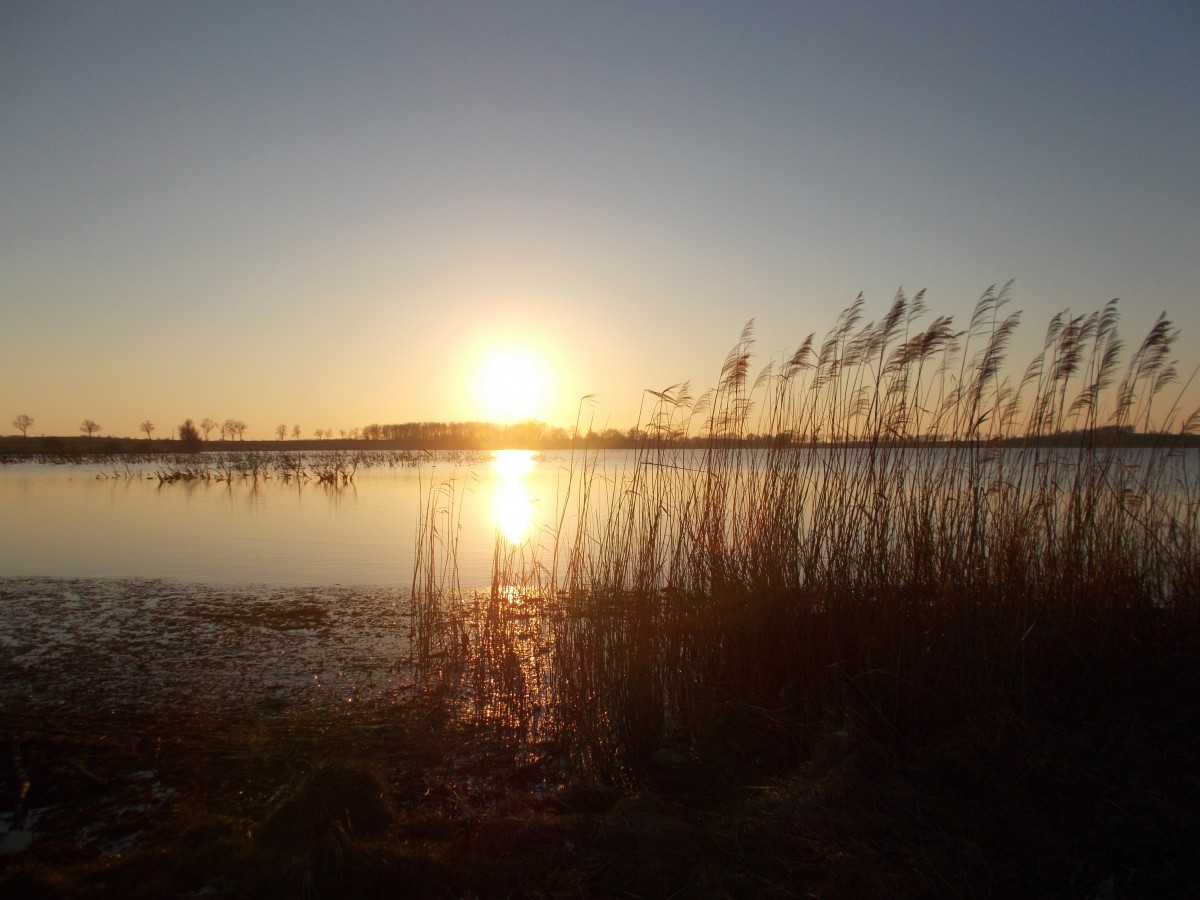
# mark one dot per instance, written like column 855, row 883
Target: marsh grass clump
column 334, row 796
column 883, row 533
column 184, row 469
column 336, row 468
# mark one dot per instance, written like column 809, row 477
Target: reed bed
column 335, row 468
column 925, row 538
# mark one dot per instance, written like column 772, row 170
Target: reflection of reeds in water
column 920, row 545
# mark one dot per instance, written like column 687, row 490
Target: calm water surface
column 95, row 521
column 82, row 521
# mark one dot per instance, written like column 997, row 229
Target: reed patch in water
column 917, row 544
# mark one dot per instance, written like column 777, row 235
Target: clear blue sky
column 323, row 214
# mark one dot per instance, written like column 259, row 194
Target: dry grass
column 925, row 540
column 413, row 802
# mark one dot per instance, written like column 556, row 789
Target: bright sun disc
column 513, row 385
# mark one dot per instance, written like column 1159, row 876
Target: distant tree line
column 230, row 429
column 467, row 435
column 535, row 434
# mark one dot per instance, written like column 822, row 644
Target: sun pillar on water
column 513, row 503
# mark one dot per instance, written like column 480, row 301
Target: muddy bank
column 148, row 645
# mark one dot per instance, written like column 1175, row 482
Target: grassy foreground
column 918, row 649
column 1099, row 800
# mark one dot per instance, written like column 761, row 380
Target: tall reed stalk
column 918, row 540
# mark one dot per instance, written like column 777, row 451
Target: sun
column 511, row 384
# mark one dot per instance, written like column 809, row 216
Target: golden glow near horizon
column 513, row 503
column 513, row 383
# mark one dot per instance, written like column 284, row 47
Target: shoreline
column 66, row 447
column 164, row 745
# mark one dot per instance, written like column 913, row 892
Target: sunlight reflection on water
column 513, row 503
column 97, row 521
column 73, row 523
column 88, row 521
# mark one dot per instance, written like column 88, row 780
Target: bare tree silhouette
column 89, row 427
column 23, row 423
column 147, row 427
column 189, row 434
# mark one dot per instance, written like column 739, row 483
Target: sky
column 327, row 215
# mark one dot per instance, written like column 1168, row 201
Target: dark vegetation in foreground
column 1094, row 796
column 882, row 669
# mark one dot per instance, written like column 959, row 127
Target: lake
column 118, row 520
